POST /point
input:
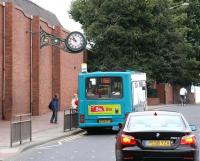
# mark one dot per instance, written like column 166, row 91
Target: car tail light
column 127, row 140
column 188, row 140
column 82, row 118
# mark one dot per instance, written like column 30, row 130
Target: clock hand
column 73, row 39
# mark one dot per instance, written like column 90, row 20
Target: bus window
column 104, row 88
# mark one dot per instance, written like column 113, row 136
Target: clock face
column 75, row 42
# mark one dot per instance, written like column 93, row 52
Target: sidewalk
column 42, row 131
column 155, row 107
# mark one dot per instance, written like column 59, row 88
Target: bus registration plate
column 104, row 120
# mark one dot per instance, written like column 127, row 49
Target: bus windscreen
column 104, row 88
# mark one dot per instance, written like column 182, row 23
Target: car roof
column 170, row 113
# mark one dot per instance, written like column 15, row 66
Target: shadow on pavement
column 100, row 131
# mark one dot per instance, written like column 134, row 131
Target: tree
column 193, row 37
column 136, row 35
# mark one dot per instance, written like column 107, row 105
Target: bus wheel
column 90, row 131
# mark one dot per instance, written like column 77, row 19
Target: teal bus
column 106, row 98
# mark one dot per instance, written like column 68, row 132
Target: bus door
column 139, row 95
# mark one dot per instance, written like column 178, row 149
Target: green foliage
column 152, row 93
column 142, row 35
column 193, row 37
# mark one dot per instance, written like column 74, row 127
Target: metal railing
column 70, row 119
column 20, row 128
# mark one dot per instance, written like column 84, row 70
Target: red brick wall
column 161, row 92
column 45, row 74
column 168, row 94
column 21, row 62
column 70, row 67
column 191, row 97
column 35, row 65
column 176, row 90
column 153, row 101
column 53, row 70
column 177, row 96
column 8, row 60
column 165, row 93
column 1, row 59
column 56, row 66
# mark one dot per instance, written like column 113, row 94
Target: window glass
column 151, row 123
column 104, row 88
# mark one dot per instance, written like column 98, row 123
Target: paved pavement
column 42, row 131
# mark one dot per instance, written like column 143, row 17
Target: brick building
column 30, row 75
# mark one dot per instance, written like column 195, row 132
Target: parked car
column 156, row 136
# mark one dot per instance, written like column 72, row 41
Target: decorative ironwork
column 49, row 39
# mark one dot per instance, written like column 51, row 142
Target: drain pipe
column 31, row 65
column 4, row 62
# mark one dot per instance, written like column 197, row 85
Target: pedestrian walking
column 183, row 93
column 74, row 103
column 54, row 107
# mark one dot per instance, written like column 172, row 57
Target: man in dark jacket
column 54, row 108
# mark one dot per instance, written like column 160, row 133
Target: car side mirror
column 193, row 127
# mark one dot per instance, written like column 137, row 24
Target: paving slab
column 42, row 132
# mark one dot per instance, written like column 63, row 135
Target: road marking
column 47, row 147
column 60, row 142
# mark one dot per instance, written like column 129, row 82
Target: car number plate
column 104, row 120
column 158, row 143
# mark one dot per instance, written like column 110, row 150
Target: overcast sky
column 60, row 8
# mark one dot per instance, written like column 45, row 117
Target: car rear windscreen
column 152, row 123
